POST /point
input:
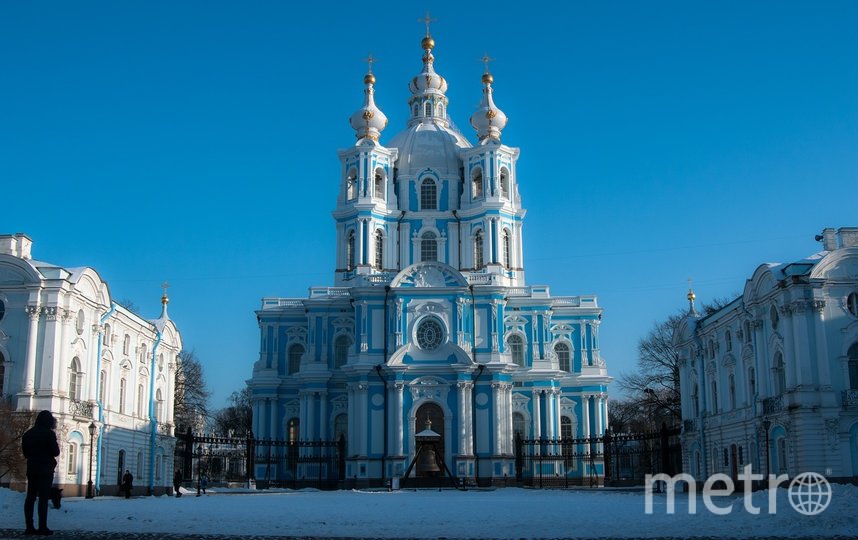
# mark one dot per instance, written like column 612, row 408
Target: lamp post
column 89, row 491
column 766, row 425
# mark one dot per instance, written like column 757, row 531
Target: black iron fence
column 245, row 461
column 611, row 460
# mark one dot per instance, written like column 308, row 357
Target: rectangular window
column 72, row 460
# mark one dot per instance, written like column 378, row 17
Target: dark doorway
column 435, row 415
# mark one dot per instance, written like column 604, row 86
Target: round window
column 81, row 321
column 851, row 304
column 430, row 334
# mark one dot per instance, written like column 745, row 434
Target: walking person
column 177, row 482
column 40, row 448
column 127, row 483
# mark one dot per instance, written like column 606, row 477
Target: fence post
column 606, row 456
column 249, row 461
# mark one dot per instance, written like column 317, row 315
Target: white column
column 362, row 416
column 549, row 414
column 398, row 423
column 509, row 429
column 311, row 416
column 605, row 425
column 463, row 419
column 361, row 229
column 323, row 416
column 585, row 415
column 600, row 430
column 33, row 312
column 352, row 430
column 557, row 408
column 273, row 418
column 496, row 391
column 537, row 414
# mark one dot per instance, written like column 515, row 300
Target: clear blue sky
column 196, row 142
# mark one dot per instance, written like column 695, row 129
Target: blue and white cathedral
column 430, row 317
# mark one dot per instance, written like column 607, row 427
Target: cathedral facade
column 429, row 321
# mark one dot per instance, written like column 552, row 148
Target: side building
column 771, row 379
column 430, row 317
column 106, row 373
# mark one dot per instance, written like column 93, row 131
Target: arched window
column 350, row 251
column 341, row 351
column 428, row 195
column 714, row 397
column 2, row 374
column 562, row 352
column 159, row 405
column 852, row 303
column 752, row 384
column 106, row 339
column 516, row 349
column 416, row 110
column 341, row 426
column 853, row 366
column 779, row 374
column 728, row 341
column 292, row 430
column 71, row 466
column 351, row 185
column 126, row 345
column 102, row 383
column 504, row 183
column 428, row 247
column 123, row 389
column 478, row 250
column 428, row 108
column 506, row 249
column 695, row 400
column 440, row 110
column 80, row 322
column 379, row 250
column 732, row 390
column 295, row 354
column 75, row 379
column 477, row 183
column 566, row 428
column 519, row 427
column 379, row 184
column 141, row 405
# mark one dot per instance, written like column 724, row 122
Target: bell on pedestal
column 427, row 465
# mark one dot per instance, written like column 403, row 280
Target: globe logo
column 809, row 493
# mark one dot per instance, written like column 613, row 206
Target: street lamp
column 89, row 491
column 766, row 425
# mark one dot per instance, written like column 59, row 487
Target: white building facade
column 771, row 379
column 430, row 316
column 67, row 347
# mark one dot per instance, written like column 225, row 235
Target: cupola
column 368, row 121
column 488, row 119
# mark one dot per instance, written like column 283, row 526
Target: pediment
column 429, row 274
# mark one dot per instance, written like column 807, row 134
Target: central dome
column 429, row 144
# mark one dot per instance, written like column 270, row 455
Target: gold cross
column 485, row 60
column 370, row 60
column 165, row 286
column 427, row 20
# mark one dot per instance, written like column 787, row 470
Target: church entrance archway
column 434, row 414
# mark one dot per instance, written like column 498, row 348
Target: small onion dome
column 488, row 120
column 368, row 121
column 427, row 82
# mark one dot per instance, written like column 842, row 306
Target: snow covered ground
column 503, row 513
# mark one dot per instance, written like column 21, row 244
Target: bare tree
column 128, row 304
column 192, row 394
column 237, row 418
column 654, row 387
column 13, row 424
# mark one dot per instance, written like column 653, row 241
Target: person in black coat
column 177, row 482
column 40, row 448
column 127, row 483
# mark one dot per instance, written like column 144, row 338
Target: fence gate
column 237, row 461
column 612, row 460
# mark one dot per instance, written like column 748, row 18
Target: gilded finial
column 691, row 298
column 369, row 78
column 164, row 299
column 427, row 43
column 487, row 76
